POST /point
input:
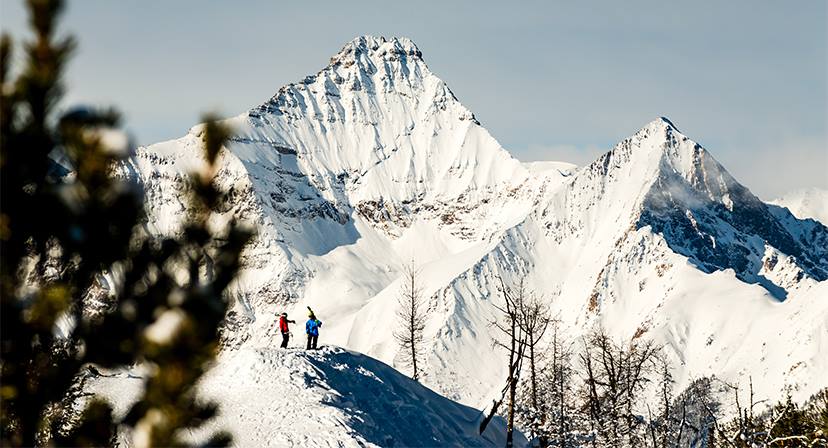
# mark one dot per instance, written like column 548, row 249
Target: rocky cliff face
column 353, row 171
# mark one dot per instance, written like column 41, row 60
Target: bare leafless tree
column 561, row 421
column 785, row 423
column 533, row 319
column 667, row 422
column 509, row 324
column 747, row 428
column 548, row 405
column 614, row 377
column 412, row 316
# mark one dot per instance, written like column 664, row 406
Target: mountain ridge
column 328, row 397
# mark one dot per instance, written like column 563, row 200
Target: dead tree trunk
column 509, row 325
column 412, row 316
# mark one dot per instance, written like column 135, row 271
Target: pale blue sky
column 550, row 80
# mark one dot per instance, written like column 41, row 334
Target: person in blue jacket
column 312, row 329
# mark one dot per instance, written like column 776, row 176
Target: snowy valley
column 353, row 172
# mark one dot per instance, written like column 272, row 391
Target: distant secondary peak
column 662, row 123
column 666, row 122
column 376, row 46
column 660, row 128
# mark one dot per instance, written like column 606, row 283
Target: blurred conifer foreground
column 71, row 234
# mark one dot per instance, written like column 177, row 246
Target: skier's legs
column 310, row 338
column 315, row 339
column 285, row 338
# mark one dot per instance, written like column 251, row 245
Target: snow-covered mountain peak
column 662, row 180
column 376, row 47
column 367, row 65
column 661, row 135
column 377, row 123
column 660, row 150
column 708, row 216
column 660, row 125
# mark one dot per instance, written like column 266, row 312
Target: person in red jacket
column 283, row 327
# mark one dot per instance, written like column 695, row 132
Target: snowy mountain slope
column 575, row 248
column 806, row 203
column 372, row 161
column 331, row 397
column 612, row 246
